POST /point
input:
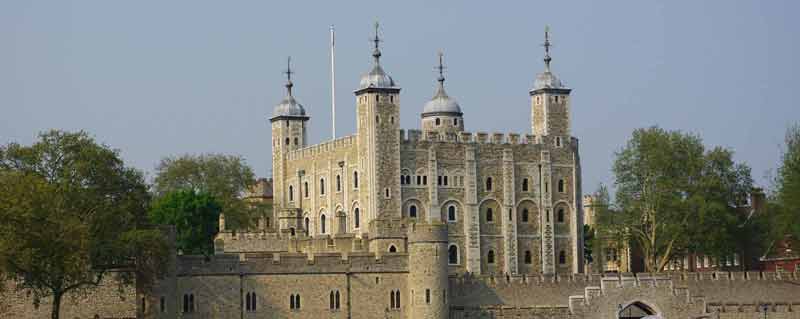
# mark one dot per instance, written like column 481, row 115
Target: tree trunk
column 56, row 309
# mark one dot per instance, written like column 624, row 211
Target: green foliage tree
column 674, row 196
column 72, row 212
column 225, row 177
column 195, row 216
column 788, row 186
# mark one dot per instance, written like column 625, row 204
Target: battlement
column 325, row 147
column 291, row 263
column 624, row 279
column 734, row 307
column 435, row 232
column 415, row 136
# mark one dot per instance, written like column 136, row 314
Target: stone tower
column 550, row 103
column 427, row 271
column 288, row 133
column 378, row 138
column 442, row 113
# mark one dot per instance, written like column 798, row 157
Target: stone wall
column 107, row 300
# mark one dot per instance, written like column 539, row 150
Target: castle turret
column 442, row 113
column 550, row 108
column 378, row 137
column 288, row 133
column 427, row 271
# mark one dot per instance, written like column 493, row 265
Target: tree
column 788, row 185
column 674, row 196
column 72, row 211
column 195, row 216
column 224, row 177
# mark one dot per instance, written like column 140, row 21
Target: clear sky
column 159, row 78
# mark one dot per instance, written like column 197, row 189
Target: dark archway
column 635, row 310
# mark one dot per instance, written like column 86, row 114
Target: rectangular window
column 427, row 296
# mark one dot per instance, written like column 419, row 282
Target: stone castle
column 437, row 223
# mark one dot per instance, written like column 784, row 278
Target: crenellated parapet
column 427, row 233
column 322, row 148
column 292, row 263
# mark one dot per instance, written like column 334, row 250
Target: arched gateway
column 636, row 310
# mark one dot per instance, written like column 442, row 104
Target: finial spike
column 441, row 66
column 547, row 45
column 288, row 73
column 376, row 53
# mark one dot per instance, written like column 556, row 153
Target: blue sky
column 159, row 78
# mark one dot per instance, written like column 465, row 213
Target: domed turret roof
column 289, row 107
column 547, row 80
column 441, row 102
column 376, row 77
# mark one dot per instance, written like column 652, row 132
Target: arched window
column 322, row 224
column 562, row 257
column 337, row 300
column 412, row 211
column 560, row 185
column 305, row 189
column 560, row 216
column 490, row 257
column 455, row 122
column 191, row 303
column 439, row 180
column 287, row 141
column 185, row 303
column 322, row 186
column 297, row 301
column 308, row 229
column 438, row 121
column 451, row 213
column 332, row 304
column 524, row 184
column 296, row 141
column 292, row 232
column 424, row 179
column 397, row 299
column 291, row 193
column 163, row 304
column 338, row 183
column 528, row 257
column 452, row 255
column 489, row 215
column 525, row 214
column 488, row 184
column 419, row 180
column 355, row 179
column 408, row 179
column 445, row 180
column 357, row 217
column 391, row 300
column 392, row 249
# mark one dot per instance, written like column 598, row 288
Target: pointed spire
column 546, row 44
column 377, row 52
column 288, row 73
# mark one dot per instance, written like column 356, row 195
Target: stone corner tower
column 288, row 134
column 550, row 103
column 378, row 138
column 427, row 272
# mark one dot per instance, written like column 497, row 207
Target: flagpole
column 333, row 84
